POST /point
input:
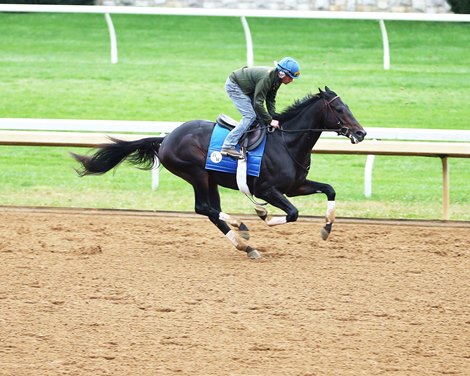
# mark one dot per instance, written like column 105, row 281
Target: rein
column 306, row 169
column 342, row 131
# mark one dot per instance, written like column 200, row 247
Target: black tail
column 140, row 152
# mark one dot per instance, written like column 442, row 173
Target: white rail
column 101, row 126
column 136, row 126
column 159, row 127
column 243, row 13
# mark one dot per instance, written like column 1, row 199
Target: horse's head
column 338, row 117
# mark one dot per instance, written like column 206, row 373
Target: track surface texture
column 105, row 293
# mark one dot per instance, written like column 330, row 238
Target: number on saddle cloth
column 251, row 139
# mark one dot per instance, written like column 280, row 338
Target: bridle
column 342, row 130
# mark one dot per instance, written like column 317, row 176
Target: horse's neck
column 305, row 129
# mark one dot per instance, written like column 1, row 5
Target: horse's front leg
column 312, row 187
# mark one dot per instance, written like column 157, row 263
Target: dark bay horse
column 284, row 167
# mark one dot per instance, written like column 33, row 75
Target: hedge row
column 460, row 6
column 52, row 2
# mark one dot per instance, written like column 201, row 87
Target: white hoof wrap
column 236, row 240
column 227, row 218
column 330, row 212
column 274, row 221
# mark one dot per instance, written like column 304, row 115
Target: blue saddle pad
column 216, row 162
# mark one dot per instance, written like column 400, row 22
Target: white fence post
column 112, row 38
column 368, row 176
column 386, row 45
column 249, row 42
column 155, row 174
column 445, row 188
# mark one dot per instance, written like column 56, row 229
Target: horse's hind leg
column 214, row 198
column 208, row 204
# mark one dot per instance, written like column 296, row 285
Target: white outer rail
column 243, row 13
column 164, row 127
column 75, row 125
column 155, row 127
column 407, row 134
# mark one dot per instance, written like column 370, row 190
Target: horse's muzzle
column 357, row 136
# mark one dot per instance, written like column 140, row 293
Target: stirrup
column 234, row 153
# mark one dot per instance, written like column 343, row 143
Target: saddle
column 251, row 139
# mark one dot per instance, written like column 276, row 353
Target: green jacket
column 261, row 84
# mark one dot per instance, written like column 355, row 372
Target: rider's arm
column 260, row 97
column 271, row 102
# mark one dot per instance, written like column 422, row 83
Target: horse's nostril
column 361, row 134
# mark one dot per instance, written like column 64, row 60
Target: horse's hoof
column 261, row 211
column 252, row 253
column 244, row 231
column 324, row 234
column 325, row 231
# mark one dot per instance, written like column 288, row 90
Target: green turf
column 173, row 68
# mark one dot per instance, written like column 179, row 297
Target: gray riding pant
column 243, row 104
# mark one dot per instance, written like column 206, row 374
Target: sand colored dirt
column 100, row 293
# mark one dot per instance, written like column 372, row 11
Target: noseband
column 343, row 130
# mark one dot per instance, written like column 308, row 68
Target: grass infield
column 173, row 69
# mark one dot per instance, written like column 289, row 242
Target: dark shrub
column 460, row 6
column 50, row 2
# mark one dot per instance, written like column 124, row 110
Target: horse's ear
column 327, row 88
column 321, row 91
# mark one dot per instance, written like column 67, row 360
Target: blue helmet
column 290, row 67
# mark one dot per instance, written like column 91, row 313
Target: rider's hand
column 275, row 123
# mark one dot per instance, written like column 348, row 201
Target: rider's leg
column 243, row 103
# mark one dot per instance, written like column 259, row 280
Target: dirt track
column 87, row 293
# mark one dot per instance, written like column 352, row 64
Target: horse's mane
column 298, row 106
